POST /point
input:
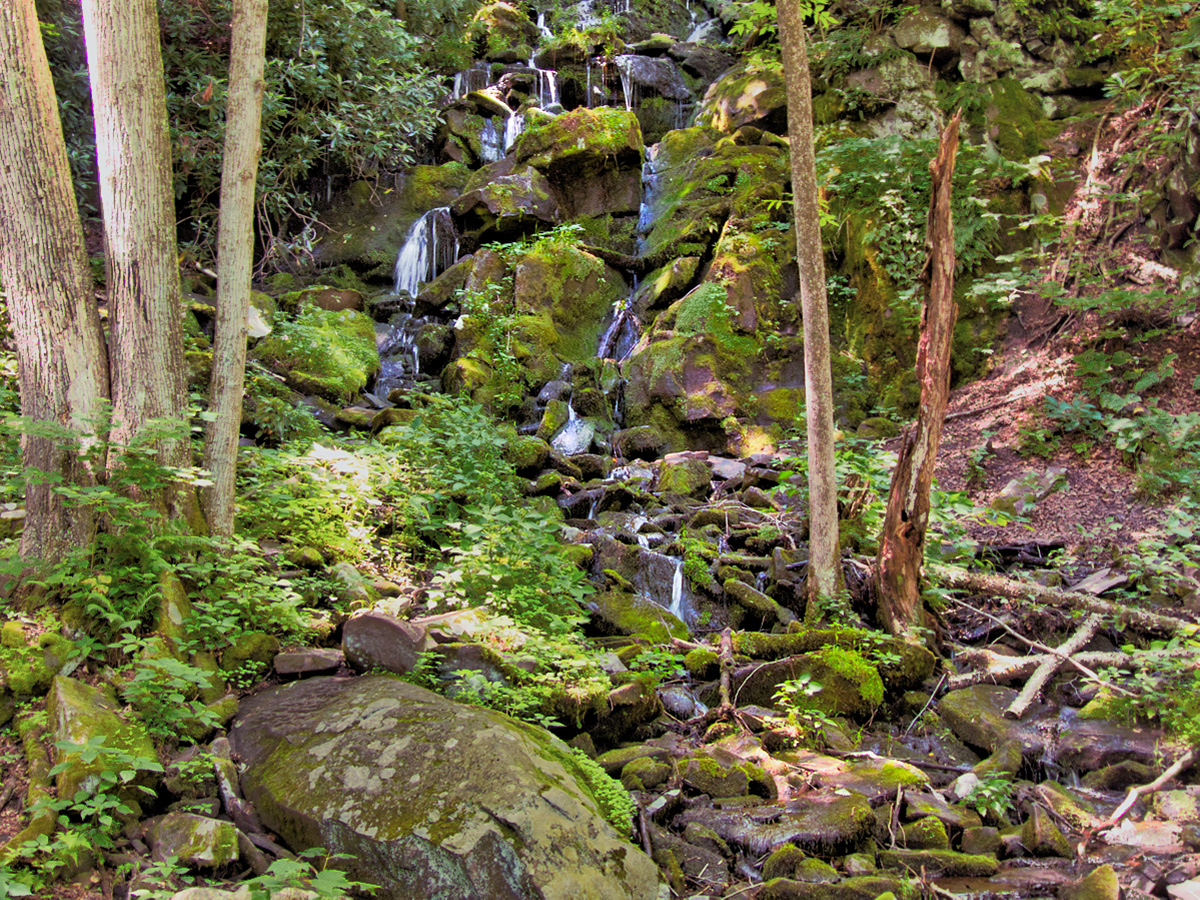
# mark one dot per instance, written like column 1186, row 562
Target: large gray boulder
column 430, row 798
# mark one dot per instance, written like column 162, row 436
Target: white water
column 512, row 130
column 546, row 33
column 576, row 436
column 676, row 607
column 625, row 70
column 472, row 79
column 492, row 141
column 430, row 247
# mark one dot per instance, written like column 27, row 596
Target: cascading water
column 512, row 130
column 625, row 70
column 576, row 436
column 660, row 580
column 475, row 78
column 492, row 142
column 430, row 247
column 622, row 333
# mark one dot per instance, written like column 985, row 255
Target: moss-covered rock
column 256, row 647
column 627, row 613
column 746, row 96
column 197, row 842
column 976, row 715
column 1099, row 884
column 939, row 863
column 684, row 476
column 430, row 798
column 80, row 713
column 331, row 354
column 503, row 204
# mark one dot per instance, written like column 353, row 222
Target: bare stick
column 997, row 669
column 1043, row 673
column 1127, row 804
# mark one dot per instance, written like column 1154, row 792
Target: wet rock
column 1070, row 806
column 702, row 864
column 983, row 840
column 918, row 805
column 591, row 465
column 924, row 834
column 195, row 841
column 414, row 788
column 1042, row 837
column 645, row 774
column 719, row 774
column 684, row 476
column 639, row 442
column 1006, row 760
column 859, row 888
column 1099, row 884
column 976, row 715
column 309, row 661
column 822, row 824
column 701, row 60
column 626, row 613
column 504, row 206
column 655, row 74
column 939, row 863
column 876, row 779
column 1091, row 744
column 376, row 639
column 679, row 702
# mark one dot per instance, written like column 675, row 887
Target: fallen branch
column 997, row 669
column 1127, row 804
column 951, row 577
column 1046, row 670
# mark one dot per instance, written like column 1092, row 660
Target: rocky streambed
column 842, row 767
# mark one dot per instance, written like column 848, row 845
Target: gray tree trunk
column 48, row 284
column 133, row 153
column 824, row 560
column 235, row 252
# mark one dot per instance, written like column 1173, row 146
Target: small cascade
column 625, row 70
column 546, row 85
column 708, row 30
column 475, row 78
column 512, row 130
column 430, row 247
column 623, row 332
column 545, row 32
column 649, row 190
column 492, row 141
column 576, row 436
column 660, row 580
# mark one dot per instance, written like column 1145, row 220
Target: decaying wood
column 998, row 586
column 1043, row 673
column 1131, row 798
column 993, row 668
column 902, row 543
column 726, row 656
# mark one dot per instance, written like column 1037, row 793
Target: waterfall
column 625, row 70
column 623, row 332
column 512, row 130
column 430, row 247
column 676, row 607
column 547, row 87
column 576, row 436
column 492, row 141
column 545, row 32
column 475, row 78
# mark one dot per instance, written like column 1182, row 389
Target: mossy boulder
column 502, row 203
column 1099, row 884
column 928, row 833
column 746, row 96
column 430, row 798
column 195, row 841
column 591, row 157
column 255, row 647
column 939, row 863
column 528, row 454
column 79, row 714
column 330, row 354
column 505, row 32
column 624, row 612
column 684, row 476
column 976, row 715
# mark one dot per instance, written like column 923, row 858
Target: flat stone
column 877, row 779
column 822, row 824
column 921, row 805
column 976, row 715
column 1091, row 744
column 309, row 661
column 377, row 639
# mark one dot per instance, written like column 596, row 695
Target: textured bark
column 133, row 154
column 235, row 251
column 902, row 544
column 48, row 284
column 824, row 566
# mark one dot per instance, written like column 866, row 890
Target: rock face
column 431, row 799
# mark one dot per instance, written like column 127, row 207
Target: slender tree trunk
column 133, row 153
column 235, row 252
column 902, row 544
column 48, row 284
column 824, row 559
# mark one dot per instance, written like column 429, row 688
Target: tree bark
column 48, row 284
column 824, row 565
column 235, row 256
column 133, row 154
column 902, row 544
